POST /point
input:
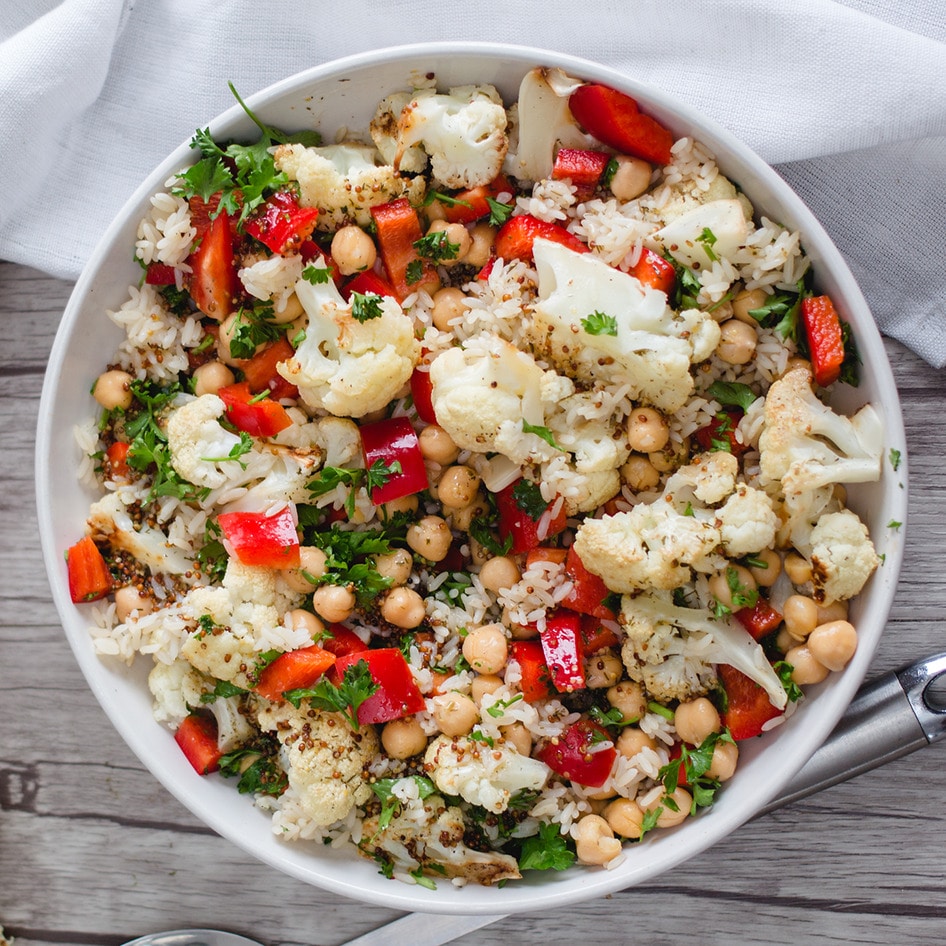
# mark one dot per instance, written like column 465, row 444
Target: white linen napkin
column 847, row 100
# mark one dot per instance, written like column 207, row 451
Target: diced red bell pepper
column 473, row 203
column 160, row 274
column 260, row 418
column 203, row 211
column 260, row 372
column 544, row 553
column 574, row 755
column 89, row 577
column 397, row 694
column 720, row 431
column 294, row 670
column 117, row 457
column 343, row 642
column 214, row 284
column 518, row 525
column 367, row 282
column 398, row 228
column 536, row 681
column 258, row 539
column 281, row 224
column 653, row 270
column 483, row 274
column 422, row 391
column 197, row 737
column 595, row 636
column 616, row 120
column 825, row 339
column 588, row 591
column 394, row 441
column 515, row 238
column 748, row 707
column 583, row 168
column 561, row 645
column 759, row 620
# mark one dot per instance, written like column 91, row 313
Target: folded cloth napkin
column 846, row 99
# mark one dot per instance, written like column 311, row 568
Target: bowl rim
column 701, row 832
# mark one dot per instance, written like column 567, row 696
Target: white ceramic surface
column 344, row 94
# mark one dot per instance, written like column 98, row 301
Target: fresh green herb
column 688, row 510
column 207, row 626
column 385, row 864
column 850, row 366
column 660, row 709
column 414, row 271
column 742, row 596
column 693, row 763
column 752, row 561
column 543, row 433
column 357, row 686
column 298, row 338
column 650, row 821
column 894, row 524
column 223, row 689
column 478, row 736
column 499, row 212
column 244, row 446
column 498, row 708
column 178, row 301
column 895, row 457
column 422, row 879
column 390, row 803
column 444, row 199
column 600, row 323
column 687, row 286
column 610, row 169
column 206, row 342
column 374, row 477
column 212, row 556
column 732, row 394
column 366, row 306
column 785, row 670
column 437, row 246
column 257, row 767
column 317, row 275
column 612, row 718
column 719, row 441
column 481, row 530
column 528, row 499
column 708, row 239
column 781, row 311
column 349, row 560
column 547, row 850
column 253, row 327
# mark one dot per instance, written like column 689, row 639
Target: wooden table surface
column 94, row 851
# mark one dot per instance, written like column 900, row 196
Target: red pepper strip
column 561, row 644
column 544, row 553
column 257, row 539
column 759, row 620
column 653, row 270
column 398, row 227
column 262, row 418
column 394, row 441
column 117, row 457
column 368, row 281
column 582, row 168
column 89, row 577
column 397, row 694
column 294, row 670
column 588, row 589
column 535, row 683
column 214, row 284
column 422, row 390
column 721, row 432
column 160, row 274
column 825, row 339
column 747, row 705
column 520, row 526
column 473, row 204
column 595, row 636
column 487, row 269
column 343, row 642
column 516, row 236
column 572, row 754
column 615, row 119
column 197, row 737
column 260, row 372
column 281, row 224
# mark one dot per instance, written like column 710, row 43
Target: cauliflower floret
column 326, row 759
column 176, row 687
column 672, row 650
column 649, row 546
column 344, row 181
column 710, row 478
column 384, row 132
column 596, row 444
column 653, row 347
column 463, row 132
column 488, row 778
column 842, row 556
column 199, row 445
column 748, row 522
column 684, row 237
column 345, row 366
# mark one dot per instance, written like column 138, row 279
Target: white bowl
column 344, row 94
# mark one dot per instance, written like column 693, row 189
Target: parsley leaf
column 732, row 394
column 390, row 803
column 349, row 560
column 357, row 686
column 317, row 275
column 444, row 199
column 693, row 763
column 548, row 850
column 253, row 327
column 895, row 457
column 499, row 212
column 610, row 169
column 785, row 670
column 528, row 499
column 437, row 246
column 236, row 451
column 365, row 306
column 708, row 239
column 330, row 477
column 543, row 433
column 600, row 323
column 222, row 689
column 257, row 767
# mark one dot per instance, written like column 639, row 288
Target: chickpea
column 311, row 566
column 353, row 250
column 595, row 842
column 801, row 616
column 632, row 741
column 482, row 684
column 784, row 641
column 499, row 572
column 737, row 342
column 449, row 304
column 628, row 697
column 519, row 632
column 746, row 300
column 832, row 611
column 430, row 537
column 401, row 504
column 486, row 649
column 624, row 817
column 333, row 603
column 457, row 235
column 668, row 818
column 833, row 644
column 302, row 620
column 129, row 599
column 454, row 713
column 482, row 238
column 807, row 668
column 462, row 518
column 725, row 757
column 113, row 389
column 518, row 737
column 403, row 737
column 289, row 312
column 396, row 565
column 603, row 670
column 695, row 719
column 797, row 569
column 228, row 329
column 631, row 178
column 403, row 607
column 647, row 430
column 479, row 554
column 639, row 473
column 672, row 456
column 437, row 445
column 458, row 486
column 211, row 376
column 766, row 577
column 734, row 581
